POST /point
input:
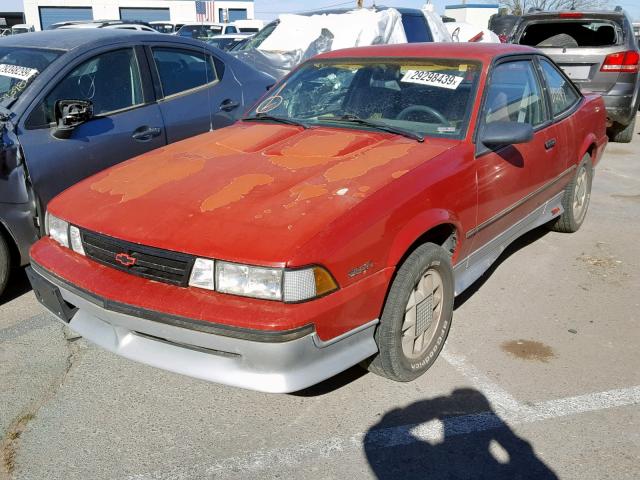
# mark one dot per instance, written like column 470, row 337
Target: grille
column 148, row 262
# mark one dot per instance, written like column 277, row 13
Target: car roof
column 68, row 39
column 585, row 13
column 467, row 51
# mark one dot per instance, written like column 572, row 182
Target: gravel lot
column 539, row 379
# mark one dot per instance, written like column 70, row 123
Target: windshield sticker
column 16, row 71
column 269, row 104
column 434, row 79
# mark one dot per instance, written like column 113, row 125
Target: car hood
column 252, row 192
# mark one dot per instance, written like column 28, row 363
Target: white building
column 42, row 13
column 477, row 14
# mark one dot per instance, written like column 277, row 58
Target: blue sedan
column 74, row 102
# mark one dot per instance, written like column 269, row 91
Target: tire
column 575, row 200
column 403, row 356
column 625, row 135
column 5, row 264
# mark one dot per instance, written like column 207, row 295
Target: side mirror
column 495, row 134
column 70, row 114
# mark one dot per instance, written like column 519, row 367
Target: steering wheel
column 422, row 108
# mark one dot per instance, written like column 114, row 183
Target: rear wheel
column 5, row 264
column 625, row 134
column 575, row 200
column 417, row 315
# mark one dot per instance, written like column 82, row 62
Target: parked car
column 597, row 50
column 163, row 27
column 249, row 26
column 206, row 30
column 335, row 224
column 227, row 42
column 73, row 102
column 416, row 26
column 114, row 24
column 21, row 28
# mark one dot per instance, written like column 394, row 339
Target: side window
column 111, row 81
column 231, row 29
column 563, row 95
column 182, row 70
column 514, row 95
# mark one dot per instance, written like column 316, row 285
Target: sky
column 268, row 9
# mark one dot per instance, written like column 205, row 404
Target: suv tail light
column 621, row 62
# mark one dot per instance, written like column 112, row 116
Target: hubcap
column 422, row 314
column 581, row 196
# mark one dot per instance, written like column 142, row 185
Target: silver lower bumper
column 276, row 367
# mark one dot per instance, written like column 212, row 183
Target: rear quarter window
column 571, row 33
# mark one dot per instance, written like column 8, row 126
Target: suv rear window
column 570, row 34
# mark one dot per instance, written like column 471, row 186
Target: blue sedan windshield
column 19, row 67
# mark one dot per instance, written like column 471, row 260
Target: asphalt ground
column 540, row 379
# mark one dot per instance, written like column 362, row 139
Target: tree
column 518, row 7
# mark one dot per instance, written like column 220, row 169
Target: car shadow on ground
column 518, row 244
column 18, row 285
column 457, row 436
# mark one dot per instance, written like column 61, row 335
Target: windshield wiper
column 287, row 121
column 380, row 126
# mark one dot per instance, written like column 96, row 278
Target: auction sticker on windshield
column 434, row 79
column 16, row 71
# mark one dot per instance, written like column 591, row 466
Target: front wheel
column 417, row 315
column 575, row 200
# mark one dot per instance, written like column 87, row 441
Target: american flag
column 205, row 11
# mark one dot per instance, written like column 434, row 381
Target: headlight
column 76, row 240
column 257, row 282
column 202, row 274
column 58, row 230
column 261, row 282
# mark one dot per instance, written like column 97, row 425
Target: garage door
column 145, row 14
column 237, row 14
column 51, row 15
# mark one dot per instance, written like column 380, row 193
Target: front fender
column 417, row 227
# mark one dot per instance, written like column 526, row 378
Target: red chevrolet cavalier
column 333, row 225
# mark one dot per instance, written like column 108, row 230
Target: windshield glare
column 18, row 68
column 428, row 97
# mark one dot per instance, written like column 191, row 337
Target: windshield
column 18, row 68
column 200, row 31
column 428, row 97
column 258, row 38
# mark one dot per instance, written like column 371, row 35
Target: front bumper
column 277, row 362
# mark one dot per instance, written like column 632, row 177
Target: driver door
column 127, row 121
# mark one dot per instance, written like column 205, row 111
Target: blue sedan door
column 127, row 121
column 197, row 93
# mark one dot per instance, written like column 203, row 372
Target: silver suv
column 598, row 51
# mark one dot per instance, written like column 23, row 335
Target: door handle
column 549, row 144
column 228, row 105
column 145, row 133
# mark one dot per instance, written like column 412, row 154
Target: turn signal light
column 626, row 62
